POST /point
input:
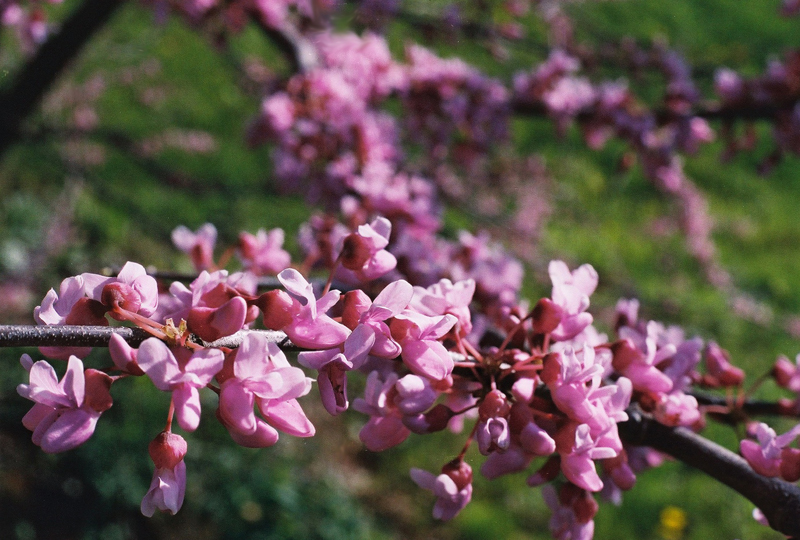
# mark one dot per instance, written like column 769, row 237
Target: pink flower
column 418, row 335
column 573, row 512
column 132, row 290
column 787, row 375
column 212, row 305
column 447, row 297
column 69, row 306
column 392, row 300
column 310, row 327
column 385, row 428
column 453, row 488
column 199, row 246
column 577, row 463
column 262, row 253
column 767, row 454
column 262, row 377
column 183, row 375
column 169, row 479
column 66, row 411
column 333, row 365
column 362, row 254
column 571, row 291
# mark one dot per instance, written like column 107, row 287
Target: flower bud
column 87, row 312
column 546, row 316
column 276, row 306
column 494, row 405
column 167, row 450
column 118, row 295
column 459, row 471
column 355, row 252
column 97, row 385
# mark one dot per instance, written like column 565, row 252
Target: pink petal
column 288, row 417
column 428, row 358
column 204, row 364
column 158, row 362
column 187, row 406
column 236, row 408
column 265, row 435
column 383, row 432
column 73, row 428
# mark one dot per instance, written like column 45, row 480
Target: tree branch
column 36, row 77
column 778, row 500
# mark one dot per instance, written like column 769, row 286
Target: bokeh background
column 145, row 132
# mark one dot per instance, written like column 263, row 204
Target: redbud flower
column 132, row 289
column 453, row 488
column 66, row 411
column 69, row 306
column 766, row 455
column 573, row 513
column 418, row 335
column 183, row 378
column 262, row 253
column 577, row 463
column 333, row 365
column 385, row 427
column 447, row 297
column 571, row 291
column 262, row 377
column 363, row 255
column 310, row 327
column 169, row 479
column 199, row 246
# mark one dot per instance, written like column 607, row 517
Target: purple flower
column 333, row 365
column 262, row 377
column 447, row 297
column 66, row 411
column 169, row 479
column 263, row 253
column 362, row 254
column 310, row 327
column 183, row 375
column 199, row 246
column 132, row 289
column 453, row 488
column 571, row 291
column 418, row 335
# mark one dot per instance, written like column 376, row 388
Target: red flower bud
column 167, row 450
column 546, row 316
column 459, row 472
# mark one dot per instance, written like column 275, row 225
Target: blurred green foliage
column 328, row 487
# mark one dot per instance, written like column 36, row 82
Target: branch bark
column 36, row 77
column 778, row 500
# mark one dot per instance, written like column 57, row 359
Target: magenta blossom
column 69, row 306
column 199, row 246
column 135, row 291
column 66, row 411
column 169, row 479
column 418, row 336
column 363, row 255
column 385, row 427
column 577, row 463
column 571, row 291
column 333, row 365
column 262, row 377
column 453, row 488
column 181, row 372
column 767, row 455
column 310, row 327
column 263, row 253
column 447, row 297
column 371, row 315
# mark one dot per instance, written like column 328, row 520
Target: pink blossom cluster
column 29, row 21
column 610, row 109
column 553, row 387
column 775, row 89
